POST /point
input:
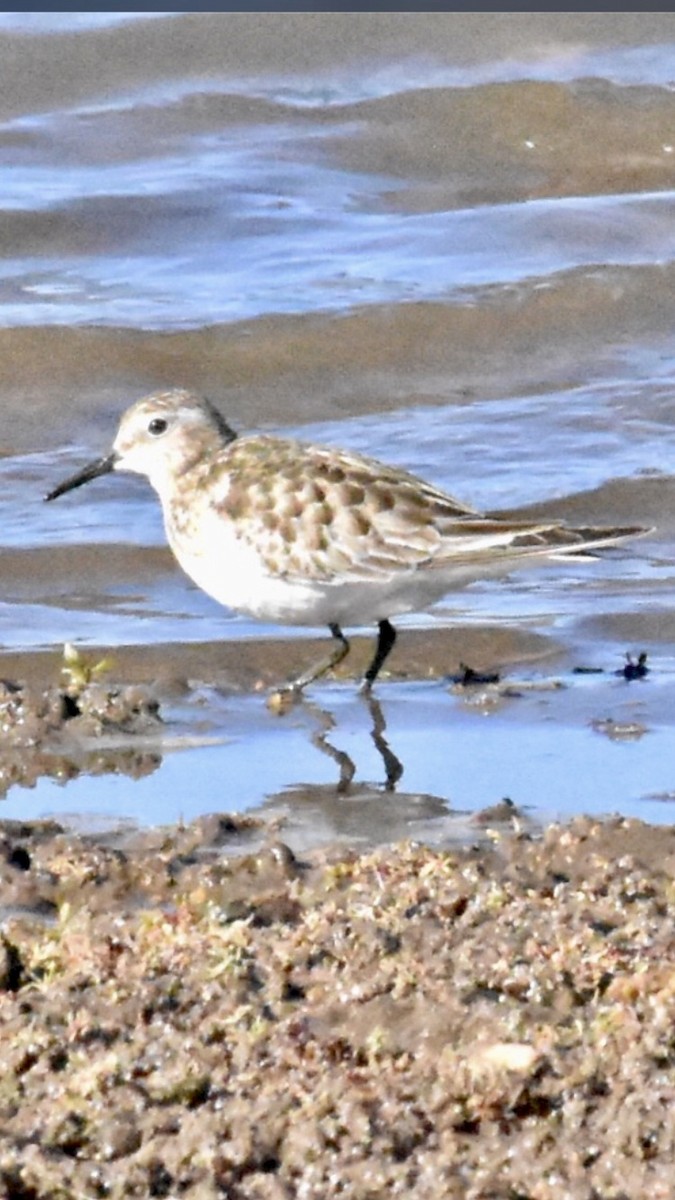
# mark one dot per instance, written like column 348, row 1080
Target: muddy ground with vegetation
column 196, row 1012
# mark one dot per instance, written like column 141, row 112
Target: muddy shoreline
column 200, row 1010
column 89, row 712
column 203, row 1014
column 261, row 663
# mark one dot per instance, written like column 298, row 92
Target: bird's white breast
column 230, row 570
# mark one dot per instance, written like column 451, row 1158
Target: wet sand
column 318, row 366
column 256, row 665
column 202, row 1013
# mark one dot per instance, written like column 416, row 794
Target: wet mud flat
column 144, row 711
column 93, row 713
column 198, row 1012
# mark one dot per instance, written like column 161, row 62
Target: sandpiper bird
column 302, row 534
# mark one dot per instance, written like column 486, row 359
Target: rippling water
column 445, row 239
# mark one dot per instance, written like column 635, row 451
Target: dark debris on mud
column 196, row 1015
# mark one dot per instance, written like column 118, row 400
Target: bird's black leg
column 385, row 641
column 340, row 651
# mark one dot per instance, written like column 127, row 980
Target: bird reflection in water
column 393, row 767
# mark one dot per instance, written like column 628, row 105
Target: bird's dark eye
column 157, row 425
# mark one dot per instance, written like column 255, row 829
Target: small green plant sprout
column 78, row 672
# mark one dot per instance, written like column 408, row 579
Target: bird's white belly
column 230, row 571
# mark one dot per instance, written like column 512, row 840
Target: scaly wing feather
column 328, row 515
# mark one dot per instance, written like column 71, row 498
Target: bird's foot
column 282, row 699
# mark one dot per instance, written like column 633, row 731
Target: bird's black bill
column 102, row 466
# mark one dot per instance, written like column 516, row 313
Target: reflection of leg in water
column 320, row 740
column 392, row 765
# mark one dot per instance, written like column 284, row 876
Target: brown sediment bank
column 429, row 653
column 200, row 1014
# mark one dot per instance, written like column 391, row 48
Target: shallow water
column 553, row 746
column 442, row 239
